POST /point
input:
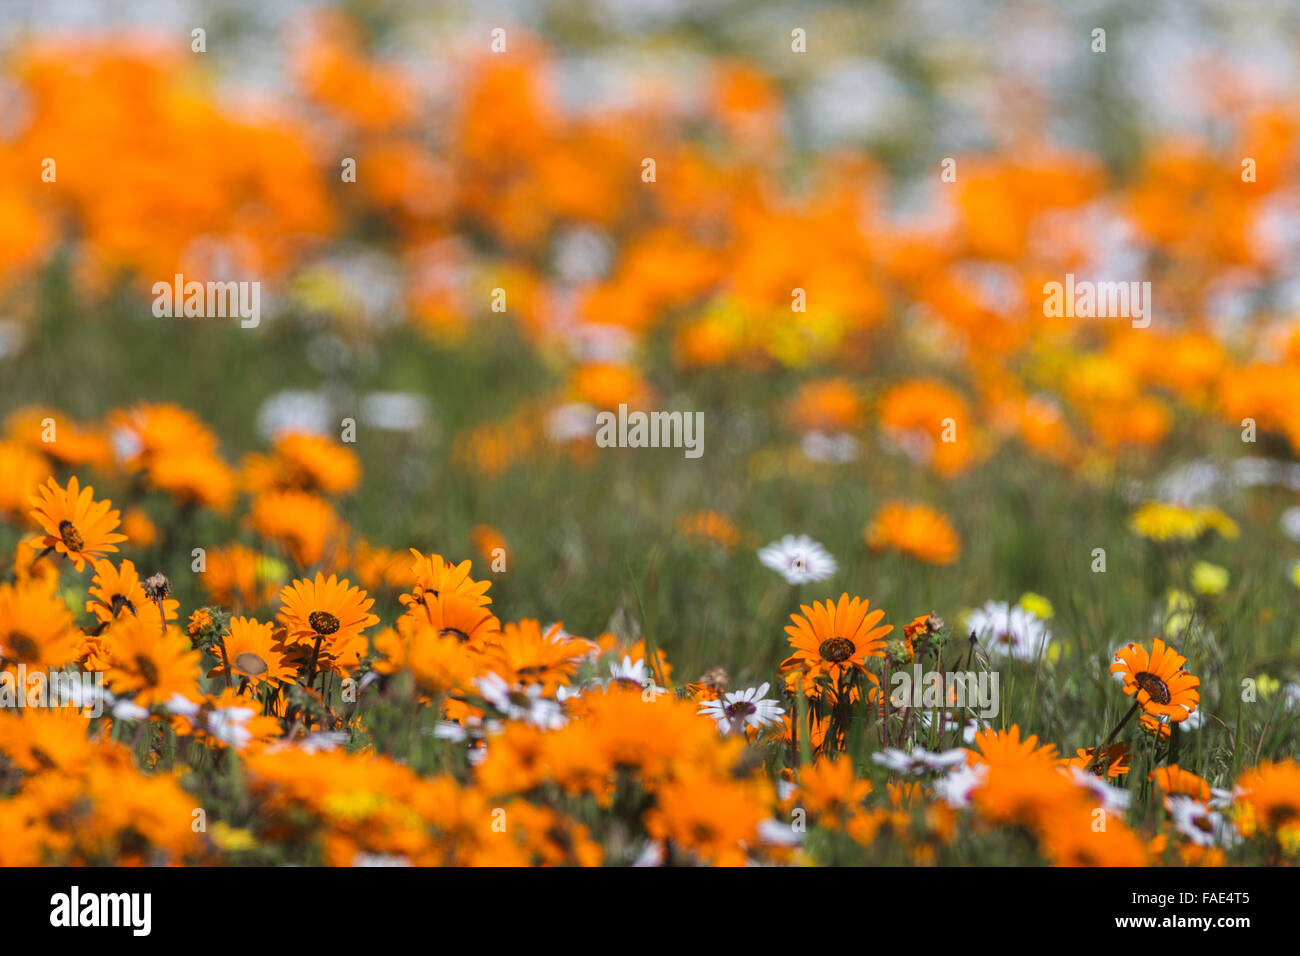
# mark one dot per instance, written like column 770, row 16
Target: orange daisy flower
column 254, row 654
column 74, row 523
column 1174, row 781
column 327, row 611
column 523, row 653
column 147, row 664
column 452, row 615
column 916, row 530
column 1158, row 681
column 435, row 576
column 117, row 591
column 305, row 525
column 1270, row 796
column 830, row 792
column 833, row 638
column 36, row 627
column 1006, row 747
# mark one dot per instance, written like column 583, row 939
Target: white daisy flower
column 182, row 705
column 1220, row 798
column 800, row 560
column 837, row 448
column 1200, row 824
column 652, row 854
column 227, row 725
column 565, row 692
column 129, row 710
column 970, row 726
column 379, row 859
column 450, row 730
column 76, row 694
column 322, row 740
column 635, row 674
column 1192, row 721
column 1291, row 523
column 526, row 704
column 1009, row 631
column 919, row 760
column 1113, row 799
column 956, row 787
column 778, row 833
column 739, row 709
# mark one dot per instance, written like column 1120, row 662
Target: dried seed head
column 157, row 586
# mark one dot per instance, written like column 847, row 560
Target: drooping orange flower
column 74, row 523
column 1114, row 760
column 435, row 576
column 117, row 591
column 916, row 530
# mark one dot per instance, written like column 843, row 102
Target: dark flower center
column 121, row 601
column 72, row 538
column 454, row 632
column 323, row 622
column 836, row 649
column 741, row 708
column 148, row 669
column 251, row 664
column 1157, row 689
column 22, row 647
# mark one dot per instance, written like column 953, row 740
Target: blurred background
column 1114, row 155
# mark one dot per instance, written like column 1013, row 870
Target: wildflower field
column 594, row 434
